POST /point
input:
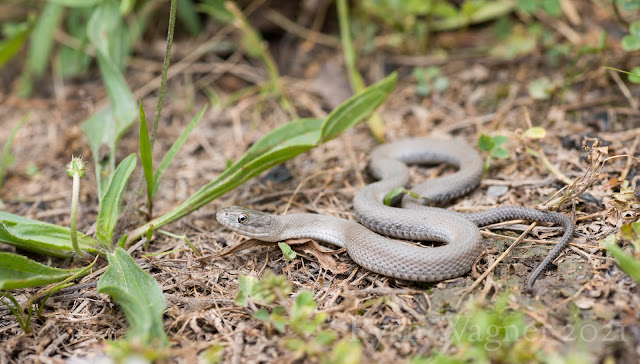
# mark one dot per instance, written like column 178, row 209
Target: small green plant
column 629, row 262
column 430, row 79
column 299, row 319
column 541, row 88
column 489, row 335
column 493, row 146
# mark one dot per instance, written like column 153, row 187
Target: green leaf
column 120, row 96
column 288, row 253
column 541, row 88
column 17, row 271
column 246, row 286
column 441, row 83
column 392, row 194
column 635, row 75
column 105, row 129
column 9, row 47
column 139, row 296
column 7, row 157
column 101, row 136
column 626, row 262
column 536, row 132
column 41, row 40
column 500, row 152
column 499, row 140
column 486, row 143
column 41, row 237
column 630, row 43
column 110, row 205
column 173, row 151
column 301, row 131
column 356, row 108
column 628, row 5
column 145, row 155
column 102, row 27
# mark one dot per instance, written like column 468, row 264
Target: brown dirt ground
column 487, row 95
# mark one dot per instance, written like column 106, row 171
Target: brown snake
column 414, row 221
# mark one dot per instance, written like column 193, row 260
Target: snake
column 384, row 239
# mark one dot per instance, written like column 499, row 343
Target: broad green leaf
column 356, row 108
column 110, row 205
column 535, row 132
column 76, row 3
column 9, row 47
column 486, row 143
column 288, row 253
column 627, row 262
column 139, row 296
column 173, row 151
column 7, row 157
column 41, row 39
column 17, row 271
column 145, row 154
column 42, row 237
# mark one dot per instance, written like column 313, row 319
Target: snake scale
column 368, row 243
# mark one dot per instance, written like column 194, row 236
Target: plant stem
column 74, row 214
column 76, row 170
column 374, row 122
column 165, row 69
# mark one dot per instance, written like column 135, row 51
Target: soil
column 591, row 117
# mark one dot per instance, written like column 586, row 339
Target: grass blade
column 627, row 262
column 139, row 296
column 17, row 271
column 7, row 157
column 10, row 47
column 145, row 156
column 41, row 40
column 357, row 107
column 110, row 205
column 173, row 151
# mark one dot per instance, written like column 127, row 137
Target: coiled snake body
column 415, row 221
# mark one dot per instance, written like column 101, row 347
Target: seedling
column 493, row 146
column 430, row 79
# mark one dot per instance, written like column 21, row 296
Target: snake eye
column 243, row 218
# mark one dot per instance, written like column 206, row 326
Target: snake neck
column 324, row 228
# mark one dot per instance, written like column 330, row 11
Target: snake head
column 248, row 222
